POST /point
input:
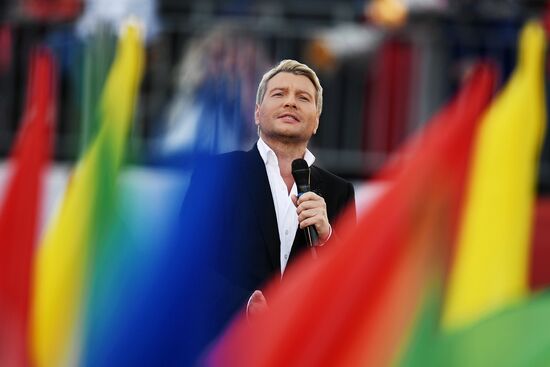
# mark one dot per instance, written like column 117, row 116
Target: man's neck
column 286, row 153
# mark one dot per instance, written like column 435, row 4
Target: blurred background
column 386, row 67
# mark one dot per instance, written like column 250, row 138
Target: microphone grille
column 299, row 164
column 300, row 172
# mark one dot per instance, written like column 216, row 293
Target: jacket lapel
column 262, row 202
column 317, row 182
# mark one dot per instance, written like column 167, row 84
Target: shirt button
column 286, row 232
column 286, row 256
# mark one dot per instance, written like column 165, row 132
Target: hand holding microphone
column 311, row 208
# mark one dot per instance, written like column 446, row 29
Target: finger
column 257, row 295
column 256, row 306
column 308, row 205
column 310, row 195
column 313, row 221
column 311, row 204
column 310, row 213
column 294, row 199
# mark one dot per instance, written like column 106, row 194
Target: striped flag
column 65, row 259
column 492, row 260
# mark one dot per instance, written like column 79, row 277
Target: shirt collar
column 269, row 156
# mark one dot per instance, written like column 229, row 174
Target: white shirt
column 287, row 218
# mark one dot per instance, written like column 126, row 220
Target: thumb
column 257, row 305
column 257, row 297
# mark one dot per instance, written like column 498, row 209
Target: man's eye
column 278, row 94
column 304, row 98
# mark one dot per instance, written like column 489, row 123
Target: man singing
column 251, row 219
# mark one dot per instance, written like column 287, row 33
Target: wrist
column 325, row 240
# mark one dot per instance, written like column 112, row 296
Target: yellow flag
column 62, row 261
column 491, row 263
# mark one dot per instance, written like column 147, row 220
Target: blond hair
column 296, row 68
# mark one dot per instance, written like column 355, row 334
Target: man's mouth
column 289, row 117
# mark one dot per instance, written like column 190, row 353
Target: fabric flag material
column 540, row 252
column 99, row 51
column 62, row 264
column 21, row 207
column 52, row 9
column 491, row 265
column 516, row 336
column 354, row 305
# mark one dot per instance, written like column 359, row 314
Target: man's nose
column 290, row 101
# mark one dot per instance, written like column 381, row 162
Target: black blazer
column 235, row 227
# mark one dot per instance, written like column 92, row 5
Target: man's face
column 288, row 111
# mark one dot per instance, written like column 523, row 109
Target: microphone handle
column 312, row 237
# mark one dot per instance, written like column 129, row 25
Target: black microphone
column 301, row 173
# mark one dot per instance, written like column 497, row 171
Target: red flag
column 539, row 276
column 20, row 209
column 52, row 9
column 351, row 306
